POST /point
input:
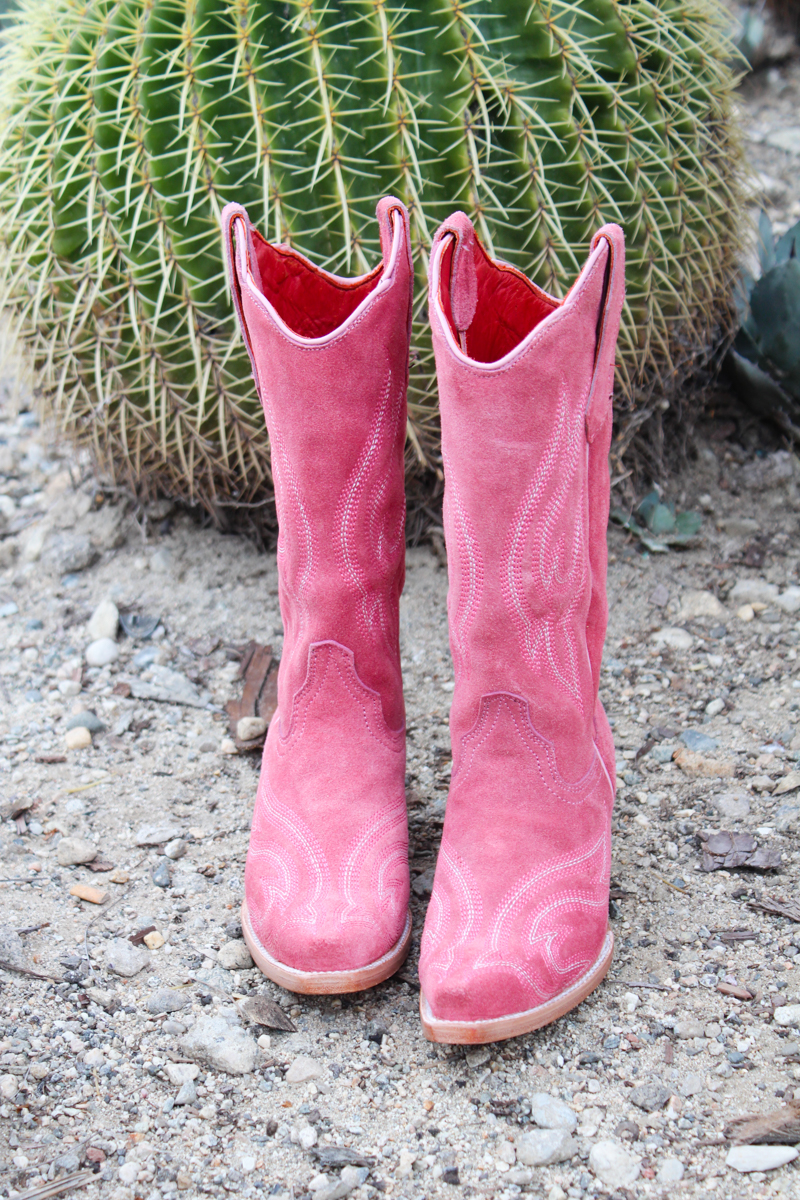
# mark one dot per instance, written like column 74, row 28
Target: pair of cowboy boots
column 516, row 932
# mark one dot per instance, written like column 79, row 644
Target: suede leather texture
column 326, row 879
column 519, row 907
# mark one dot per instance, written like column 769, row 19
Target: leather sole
column 324, row 983
column 497, row 1029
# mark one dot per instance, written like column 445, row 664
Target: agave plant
column 764, row 361
column 125, row 125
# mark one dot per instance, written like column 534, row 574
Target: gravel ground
column 138, row 1062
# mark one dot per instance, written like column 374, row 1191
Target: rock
column 693, row 739
column 519, row 1176
column 787, row 1016
column 688, row 1027
column 86, row 720
column 353, row 1177
column 74, row 850
column 789, row 783
column 504, row 1150
column 125, row 959
column 697, row 766
column 167, row 1000
column 221, row 1045
column 228, row 746
column 760, row 1158
column 753, row 591
column 307, row 1137
column 187, row 1093
column 168, row 687
column 786, row 818
column 154, row 940
column 676, row 639
column 746, row 612
column 161, row 561
column 477, row 1057
column 250, row 728
column 102, row 652
column 12, row 948
column 650, row 1097
column 247, row 1164
column 692, row 1085
column 234, row 956
column 550, row 1113
column 714, row 707
column 94, row 1057
column 542, row 1147
column 176, row 848
column 671, row 1171
column 78, row 738
column 104, row 621
column 156, row 835
column 734, row 805
column 162, row 876
column 612, row 1165
column 789, row 601
column 128, row 1173
column 180, row 1073
column 700, row 604
column 738, row 527
column 9, row 1086
column 303, row 1069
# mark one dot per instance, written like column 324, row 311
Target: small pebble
column 760, row 1158
column 543, row 1147
column 303, row 1069
column 102, row 652
column 125, row 959
column 161, row 876
column 72, row 851
column 104, row 621
column 154, row 940
column 78, row 738
column 86, row 720
column 612, row 1165
column 250, row 728
column 234, row 956
column 221, row 1045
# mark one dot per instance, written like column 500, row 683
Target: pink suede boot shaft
column 516, row 932
column 326, row 881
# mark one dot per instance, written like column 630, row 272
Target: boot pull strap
column 598, row 404
column 238, row 243
column 463, row 276
column 388, row 208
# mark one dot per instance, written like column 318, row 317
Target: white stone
column 9, row 1086
column 176, row 848
column 700, row 604
column 542, row 1147
column 753, row 591
column 676, row 639
column 612, row 1165
column 307, row 1137
column 735, row 805
column 102, row 652
column 303, row 1069
column 788, row 1015
column 78, row 738
column 221, row 1045
column 180, row 1073
column 104, row 621
column 549, row 1112
column 789, row 600
column 504, row 1150
column 155, row 835
column 671, row 1171
column 760, row 1158
column 249, row 728
column 689, row 1027
column 247, row 1164
column 94, row 1057
column 187, row 1093
column 630, row 1002
column 125, row 959
column 714, row 707
column 234, row 956
column 406, row 1160
column 74, row 850
column 746, row 612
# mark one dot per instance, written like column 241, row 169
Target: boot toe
column 331, row 942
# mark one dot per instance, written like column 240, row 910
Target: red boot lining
column 509, row 306
column 311, row 302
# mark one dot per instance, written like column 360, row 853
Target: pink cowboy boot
column 326, row 881
column 517, row 929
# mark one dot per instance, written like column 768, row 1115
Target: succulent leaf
column 775, row 305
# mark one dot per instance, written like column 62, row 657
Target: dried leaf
column 260, row 1010
column 260, row 694
column 340, row 1156
column 79, row 1179
column 736, row 990
column 99, row 865
column 736, row 935
column 781, row 1127
column 731, row 850
column 137, row 939
column 778, row 908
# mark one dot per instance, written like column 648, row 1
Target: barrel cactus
column 126, row 125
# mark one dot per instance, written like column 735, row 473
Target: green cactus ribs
column 126, row 125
